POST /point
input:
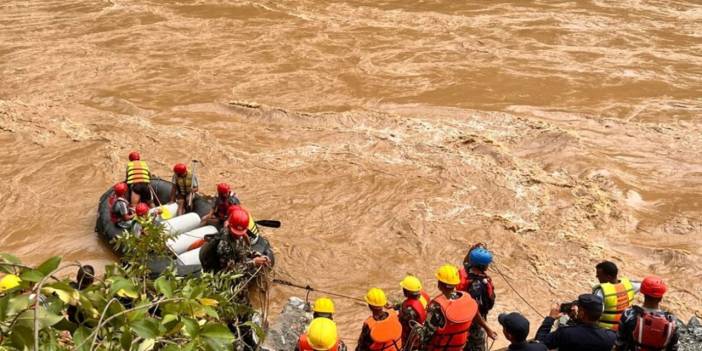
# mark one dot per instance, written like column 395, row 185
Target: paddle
column 270, row 223
column 193, row 163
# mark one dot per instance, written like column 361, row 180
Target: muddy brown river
column 386, row 135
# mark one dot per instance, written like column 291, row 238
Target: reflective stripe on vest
column 303, row 344
column 459, row 314
column 386, row 334
column 184, row 184
column 138, row 172
column 617, row 298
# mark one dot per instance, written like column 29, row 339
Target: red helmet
column 180, row 169
column 120, row 189
column 223, row 188
column 142, row 209
column 653, row 286
column 134, row 156
column 238, row 221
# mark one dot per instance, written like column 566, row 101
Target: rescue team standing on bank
column 449, row 321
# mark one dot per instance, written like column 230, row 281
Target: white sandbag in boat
column 168, row 211
column 180, row 243
column 191, row 257
column 182, row 224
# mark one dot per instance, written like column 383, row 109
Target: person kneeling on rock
column 234, row 248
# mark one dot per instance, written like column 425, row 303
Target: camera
column 567, row 307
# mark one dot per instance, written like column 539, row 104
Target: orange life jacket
column 304, row 345
column 386, row 334
column 458, row 316
column 419, row 305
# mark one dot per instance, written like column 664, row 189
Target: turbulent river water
column 385, row 135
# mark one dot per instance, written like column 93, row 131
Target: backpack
column 653, row 331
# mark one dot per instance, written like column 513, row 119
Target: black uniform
column 527, row 346
column 579, row 337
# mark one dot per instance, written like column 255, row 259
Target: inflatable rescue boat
column 185, row 231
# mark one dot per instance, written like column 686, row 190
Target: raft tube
column 182, row 242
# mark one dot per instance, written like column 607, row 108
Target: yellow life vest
column 138, row 172
column 184, row 184
column 617, row 298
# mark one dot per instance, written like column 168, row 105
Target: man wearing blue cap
column 516, row 329
column 585, row 335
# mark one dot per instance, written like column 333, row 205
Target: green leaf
column 67, row 294
column 32, row 275
column 45, row 318
column 50, row 265
column 217, row 331
column 126, row 340
column 4, row 304
column 192, row 329
column 79, row 336
column 10, row 258
column 164, row 286
column 210, row 311
column 119, row 283
column 260, row 333
column 146, row 345
column 17, row 304
column 147, row 328
column 22, row 337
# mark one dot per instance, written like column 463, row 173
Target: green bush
column 125, row 309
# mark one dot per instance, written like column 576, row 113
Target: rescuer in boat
column 584, row 335
column 382, row 330
column 413, row 310
column 321, row 336
column 648, row 327
column 184, row 189
column 450, row 315
column 616, row 293
column 143, row 218
column 139, row 180
column 516, row 329
column 121, row 213
column 234, row 250
column 476, row 282
column 220, row 210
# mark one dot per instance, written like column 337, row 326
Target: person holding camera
column 584, row 335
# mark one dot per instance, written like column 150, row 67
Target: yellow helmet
column 322, row 334
column 323, row 305
column 9, row 281
column 376, row 297
column 411, row 284
column 448, row 274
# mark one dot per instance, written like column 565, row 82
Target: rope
column 154, row 195
column 516, row 292
column 310, row 289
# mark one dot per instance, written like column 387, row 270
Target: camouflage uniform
column 435, row 320
column 235, row 254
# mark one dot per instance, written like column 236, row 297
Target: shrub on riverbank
column 124, row 309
